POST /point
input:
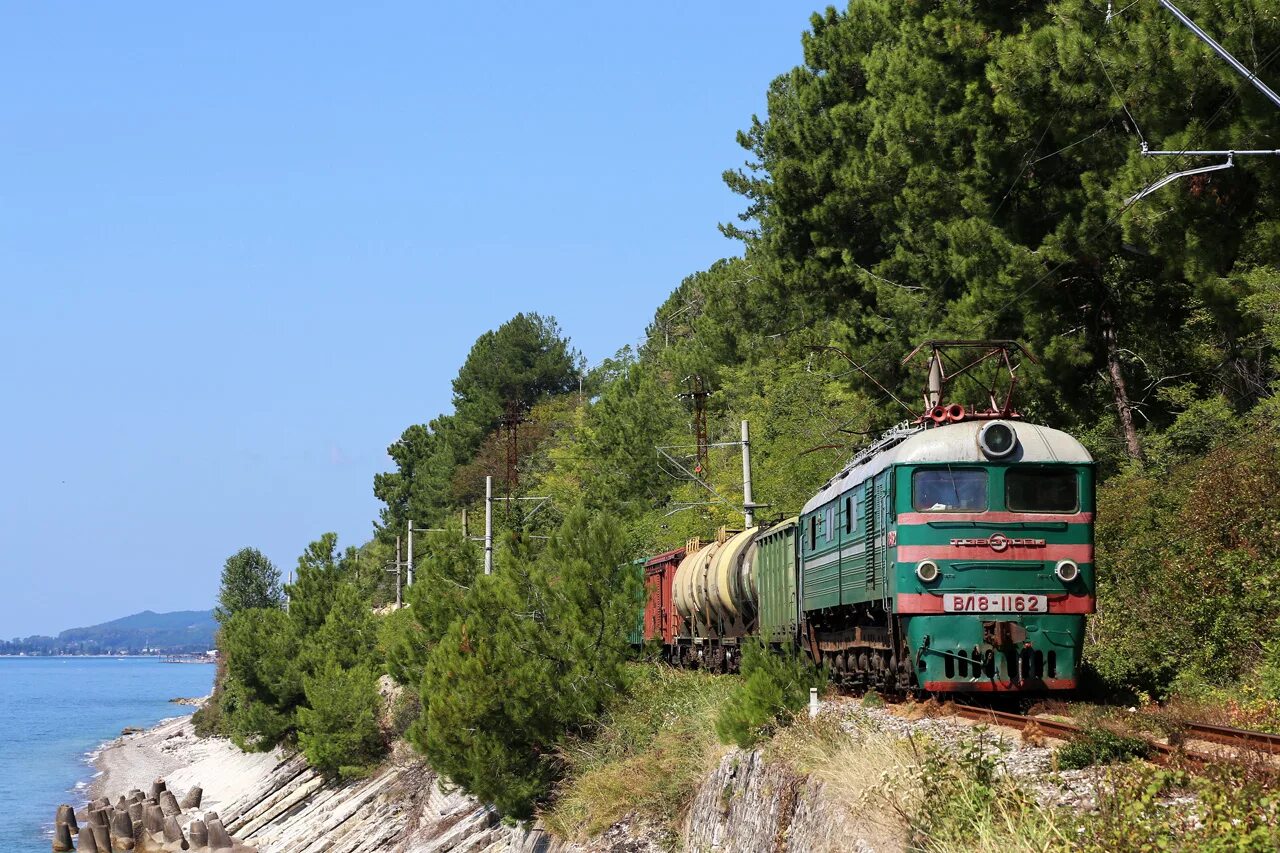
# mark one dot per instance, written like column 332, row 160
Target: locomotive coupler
column 1000, row 635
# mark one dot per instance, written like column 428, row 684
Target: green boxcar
column 775, row 572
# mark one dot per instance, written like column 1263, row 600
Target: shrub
column 1146, row 808
column 1188, row 557
column 653, row 746
column 338, row 727
column 539, row 649
column 1101, row 746
column 966, row 803
column 773, row 686
column 208, row 720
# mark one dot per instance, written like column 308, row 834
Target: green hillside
column 179, row 632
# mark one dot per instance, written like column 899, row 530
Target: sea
column 55, row 712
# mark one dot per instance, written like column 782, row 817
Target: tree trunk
column 1118, row 388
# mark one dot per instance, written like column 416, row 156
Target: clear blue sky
column 242, row 246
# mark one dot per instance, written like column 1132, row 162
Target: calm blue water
column 53, row 711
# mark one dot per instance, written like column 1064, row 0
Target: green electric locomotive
column 954, row 558
column 955, row 554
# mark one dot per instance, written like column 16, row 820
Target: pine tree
column 249, row 580
column 338, row 726
column 538, row 648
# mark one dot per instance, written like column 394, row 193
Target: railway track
column 1239, row 738
column 1257, row 741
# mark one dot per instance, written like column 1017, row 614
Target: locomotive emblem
column 997, row 542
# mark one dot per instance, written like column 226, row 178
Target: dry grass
column 909, row 797
column 868, row 775
column 652, row 749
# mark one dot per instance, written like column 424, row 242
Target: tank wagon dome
column 958, row 443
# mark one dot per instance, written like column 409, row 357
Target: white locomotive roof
column 956, row 443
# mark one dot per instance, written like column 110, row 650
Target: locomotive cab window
column 1042, row 490
column 949, row 490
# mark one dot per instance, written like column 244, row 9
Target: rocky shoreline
column 275, row 803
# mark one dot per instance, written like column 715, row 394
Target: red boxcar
column 661, row 622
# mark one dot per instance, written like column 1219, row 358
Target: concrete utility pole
column 748, row 503
column 488, row 525
column 398, row 564
column 409, row 567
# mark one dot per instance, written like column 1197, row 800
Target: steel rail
column 1266, row 742
column 1162, row 752
column 1228, row 736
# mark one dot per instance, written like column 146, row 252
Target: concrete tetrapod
column 87, row 842
column 152, row 819
column 101, row 837
column 218, row 837
column 173, row 837
column 121, row 831
column 169, row 804
column 67, row 815
column 157, row 788
column 135, row 812
column 199, row 834
column 62, row 838
column 193, row 798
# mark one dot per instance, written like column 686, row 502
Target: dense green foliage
column 338, row 725
column 305, row 673
column 249, row 581
column 773, row 687
column 1101, row 746
column 536, row 651
column 1192, row 553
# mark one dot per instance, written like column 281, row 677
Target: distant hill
column 180, row 632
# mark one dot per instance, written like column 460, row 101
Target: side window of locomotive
column 813, row 532
column 848, row 515
column 829, row 524
column 949, row 490
column 1042, row 490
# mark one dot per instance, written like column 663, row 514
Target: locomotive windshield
column 1041, row 490
column 949, row 490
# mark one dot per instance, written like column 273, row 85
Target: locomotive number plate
column 970, row 602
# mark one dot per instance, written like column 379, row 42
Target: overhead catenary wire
column 1199, row 133
column 1123, row 104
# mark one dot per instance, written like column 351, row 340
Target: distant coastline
column 145, row 634
column 174, row 658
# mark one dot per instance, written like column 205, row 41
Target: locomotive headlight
column 997, row 439
column 927, row 571
column 1067, row 571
